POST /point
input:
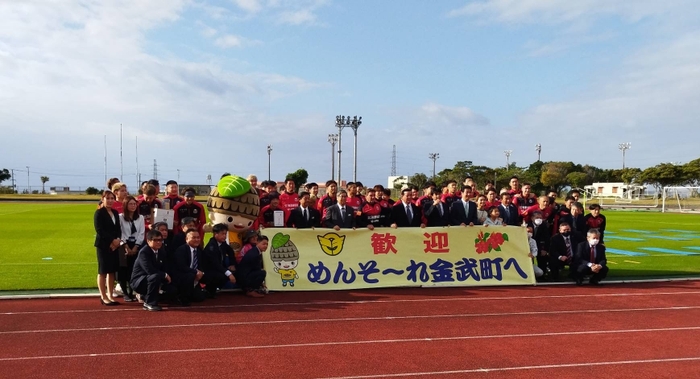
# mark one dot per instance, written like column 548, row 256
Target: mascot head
column 233, row 202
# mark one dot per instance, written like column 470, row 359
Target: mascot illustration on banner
column 285, row 256
column 235, row 203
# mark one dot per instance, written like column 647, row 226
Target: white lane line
column 361, row 342
column 517, row 368
column 352, row 319
column 391, row 301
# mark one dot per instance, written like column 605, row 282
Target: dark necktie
column 303, row 213
column 569, row 252
column 409, row 214
column 195, row 259
column 592, row 254
column 342, row 213
column 440, row 209
column 507, row 211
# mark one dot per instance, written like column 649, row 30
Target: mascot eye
column 230, row 219
column 250, row 223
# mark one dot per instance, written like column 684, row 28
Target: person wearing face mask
column 533, row 252
column 590, row 259
column 541, row 234
column 561, row 250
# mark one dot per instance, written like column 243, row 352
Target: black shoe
column 594, row 282
column 579, row 282
column 184, row 303
column 152, row 308
column 129, row 298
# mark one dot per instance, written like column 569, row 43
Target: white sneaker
column 118, row 291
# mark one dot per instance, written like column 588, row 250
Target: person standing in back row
column 108, row 236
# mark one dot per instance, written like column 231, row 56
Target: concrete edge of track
column 95, row 293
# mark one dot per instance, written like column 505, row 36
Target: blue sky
column 206, row 86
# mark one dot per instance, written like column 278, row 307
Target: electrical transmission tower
column 393, row 162
column 155, row 170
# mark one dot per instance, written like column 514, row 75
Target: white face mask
column 537, row 221
column 593, row 242
column 529, row 235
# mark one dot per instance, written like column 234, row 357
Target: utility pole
column 155, row 170
column 29, row 189
column 178, row 175
column 434, row 157
column 121, row 152
column 393, row 161
column 14, row 188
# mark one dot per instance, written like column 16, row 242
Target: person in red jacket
column 524, row 200
column 595, row 220
column 289, row 198
column 172, row 195
column 354, row 200
column 542, row 206
column 189, row 208
column 266, row 218
column 329, row 198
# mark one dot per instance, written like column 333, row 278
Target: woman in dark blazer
column 107, row 241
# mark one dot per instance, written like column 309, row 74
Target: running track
column 616, row 331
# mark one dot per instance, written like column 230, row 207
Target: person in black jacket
column 304, row 216
column 249, row 269
column 541, row 235
column 214, row 258
column 435, row 211
column 149, row 271
column 562, row 247
column 108, row 234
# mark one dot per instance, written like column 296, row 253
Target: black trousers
column 581, row 272
column 213, row 280
column 555, row 265
column 251, row 280
column 148, row 287
column 124, row 275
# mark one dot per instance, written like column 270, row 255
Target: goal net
column 680, row 199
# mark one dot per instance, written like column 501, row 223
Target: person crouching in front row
column 249, row 267
column 590, row 259
column 149, row 271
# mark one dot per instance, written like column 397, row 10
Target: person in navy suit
column 435, row 211
column 188, row 270
column 108, row 234
column 149, row 272
column 590, row 259
column 508, row 211
column 340, row 216
column 406, row 213
column 562, row 247
column 304, row 216
column 463, row 211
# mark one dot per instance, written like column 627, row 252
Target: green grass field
column 48, row 245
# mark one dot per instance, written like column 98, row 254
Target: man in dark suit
column 340, row 216
column 435, row 211
column 187, row 269
column 578, row 222
column 149, row 272
column 590, row 259
column 304, row 216
column 214, row 258
column 406, row 213
column 463, row 211
column 542, row 234
column 508, row 211
column 561, row 251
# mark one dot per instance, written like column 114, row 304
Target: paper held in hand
column 164, row 215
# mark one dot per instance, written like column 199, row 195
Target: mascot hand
column 208, row 228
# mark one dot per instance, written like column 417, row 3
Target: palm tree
column 44, row 179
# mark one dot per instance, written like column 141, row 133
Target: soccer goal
column 680, row 199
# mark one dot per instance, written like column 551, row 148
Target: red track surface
column 616, row 331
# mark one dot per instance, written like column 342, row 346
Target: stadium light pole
column 354, row 125
column 29, row 189
column 332, row 139
column 624, row 147
column 269, row 160
column 538, row 149
column 507, row 153
column 434, row 157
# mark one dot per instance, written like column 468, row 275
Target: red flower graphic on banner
column 485, row 243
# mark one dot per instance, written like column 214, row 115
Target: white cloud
column 229, row 40
column 251, row 6
column 299, row 17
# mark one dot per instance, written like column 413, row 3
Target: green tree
column 630, row 175
column 4, row 175
column 554, row 174
column 663, row 175
column 577, row 179
column 418, row 179
column 92, row 191
column 299, row 177
column 691, row 172
column 44, row 179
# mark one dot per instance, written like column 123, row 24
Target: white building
column 619, row 190
column 394, row 180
